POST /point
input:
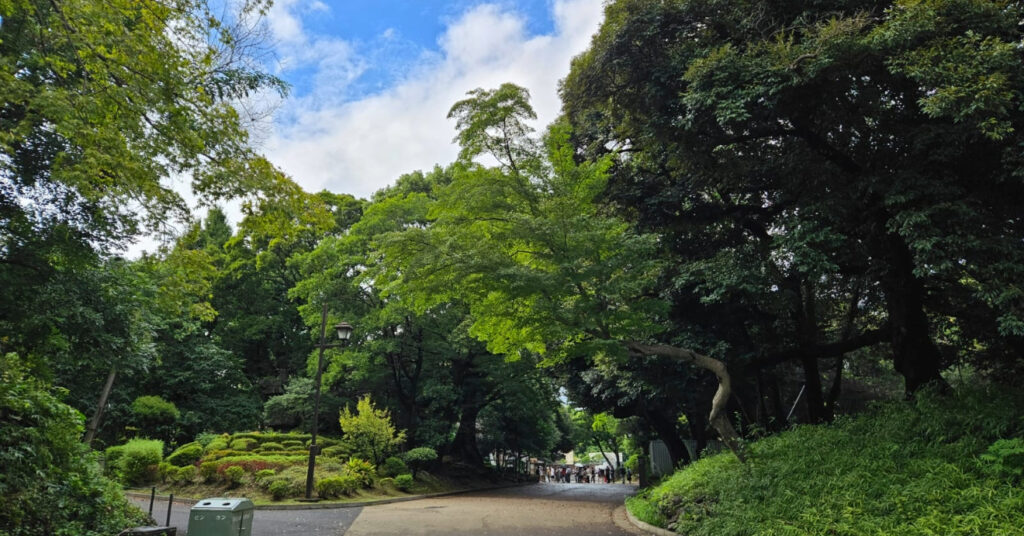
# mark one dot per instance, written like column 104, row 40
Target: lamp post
column 344, row 331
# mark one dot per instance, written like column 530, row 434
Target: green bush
column 335, row 486
column 420, row 458
column 404, row 482
column 633, row 463
column 234, row 475
column 205, row 438
column 263, row 474
column 335, row 452
column 271, row 446
column 50, row 482
column 911, row 468
column 1005, row 459
column 292, row 445
column 139, row 462
column 362, row 470
column 280, row 489
column 208, row 470
column 110, row 457
column 186, row 454
column 185, row 475
column 386, row 483
column 217, row 444
column 166, row 471
column 245, row 443
column 393, row 467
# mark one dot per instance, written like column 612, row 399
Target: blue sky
column 372, row 81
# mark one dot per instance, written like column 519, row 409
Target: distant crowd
column 586, row 474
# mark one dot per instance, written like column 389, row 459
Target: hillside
column 937, row 465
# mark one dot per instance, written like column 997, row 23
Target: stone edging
column 647, row 527
column 330, row 505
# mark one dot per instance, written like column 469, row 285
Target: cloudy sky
column 372, row 80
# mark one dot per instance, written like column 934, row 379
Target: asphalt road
column 540, row 509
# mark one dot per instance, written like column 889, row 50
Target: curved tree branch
column 719, row 418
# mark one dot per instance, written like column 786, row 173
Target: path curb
column 647, row 527
column 327, row 505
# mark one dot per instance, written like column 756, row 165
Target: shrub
column 185, row 475
column 50, row 481
column 335, row 486
column 369, row 433
column 335, row 452
column 393, row 467
column 292, row 444
column 111, row 455
column 386, row 483
column 420, row 458
column 271, row 446
column 404, row 482
column 186, row 454
column 1005, row 458
column 362, row 470
column 245, row 443
column 208, row 470
column 139, row 462
column 234, row 475
column 279, row 489
column 154, row 410
column 166, row 471
column 205, row 438
column 262, row 475
column 217, row 444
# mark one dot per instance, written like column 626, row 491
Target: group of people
column 587, row 474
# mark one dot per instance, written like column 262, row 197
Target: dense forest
column 750, row 214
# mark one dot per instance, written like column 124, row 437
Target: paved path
column 321, row 522
column 541, row 510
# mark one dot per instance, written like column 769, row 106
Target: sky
column 372, row 81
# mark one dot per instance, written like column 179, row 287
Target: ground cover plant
column 925, row 467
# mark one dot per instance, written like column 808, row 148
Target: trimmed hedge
column 404, row 482
column 335, row 486
column 186, row 454
column 139, row 461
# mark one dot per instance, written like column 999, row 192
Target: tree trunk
column 464, row 445
column 668, row 433
column 97, row 416
column 719, row 417
column 915, row 356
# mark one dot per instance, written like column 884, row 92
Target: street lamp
column 344, row 331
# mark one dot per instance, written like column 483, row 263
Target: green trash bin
column 221, row 517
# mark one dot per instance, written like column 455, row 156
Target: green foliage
column 337, row 486
column 263, row 474
column 392, row 467
column 245, row 443
column 208, row 470
column 185, row 475
column 154, row 410
column 362, row 470
column 139, row 462
column 216, row 444
column 904, row 468
column 270, row 445
column 186, row 454
column 50, row 482
column 338, row 451
column 292, row 445
column 1005, row 458
column 633, row 463
column 233, row 475
column 369, row 433
column 279, row 489
column 420, row 458
column 404, row 482
column 111, row 456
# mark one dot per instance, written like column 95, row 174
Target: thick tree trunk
column 719, row 417
column 915, row 356
column 464, row 445
column 669, row 434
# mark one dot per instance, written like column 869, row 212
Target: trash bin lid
column 221, row 503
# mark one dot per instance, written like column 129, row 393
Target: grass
column 904, row 468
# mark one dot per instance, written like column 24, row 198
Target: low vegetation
column 939, row 465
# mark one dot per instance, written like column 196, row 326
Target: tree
column 841, row 140
column 369, row 433
column 542, row 268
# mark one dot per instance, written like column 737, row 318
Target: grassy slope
column 905, row 468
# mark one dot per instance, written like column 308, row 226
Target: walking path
column 541, row 510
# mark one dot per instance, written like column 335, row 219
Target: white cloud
column 359, row 146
